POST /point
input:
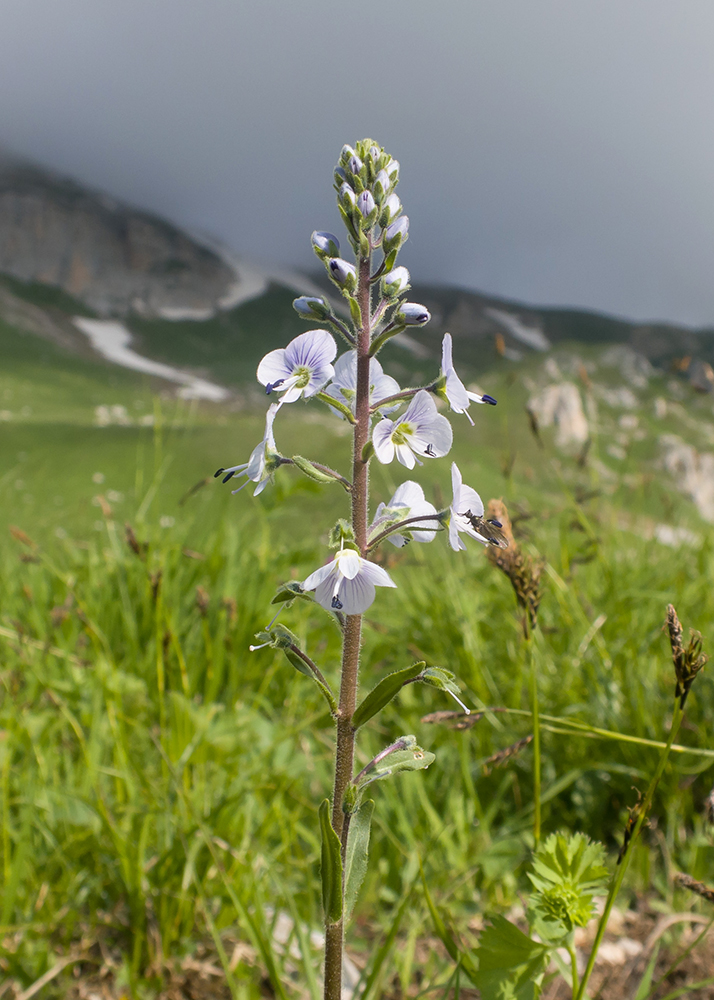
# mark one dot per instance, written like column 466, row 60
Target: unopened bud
column 312, row 307
column 392, row 169
column 325, row 244
column 396, row 234
column 365, row 204
column 412, row 314
column 374, row 152
column 391, row 209
column 382, row 185
column 340, row 176
column 347, row 152
column 342, row 273
column 354, row 164
column 347, row 197
column 396, row 282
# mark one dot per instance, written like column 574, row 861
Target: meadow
column 159, row 781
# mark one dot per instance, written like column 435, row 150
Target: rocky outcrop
column 693, row 471
column 561, row 405
column 111, row 257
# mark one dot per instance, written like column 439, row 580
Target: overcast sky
column 554, row 151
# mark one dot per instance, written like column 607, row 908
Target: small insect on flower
column 488, row 527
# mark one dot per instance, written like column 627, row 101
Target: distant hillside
column 66, row 251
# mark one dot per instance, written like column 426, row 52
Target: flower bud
column 412, row 314
column 354, row 164
column 392, row 169
column 347, row 152
column 312, row 307
column 382, row 185
column 390, row 210
column 325, row 244
column 342, row 273
column 396, row 233
column 366, row 205
column 396, row 282
column 340, row 176
column 374, row 152
column 347, row 197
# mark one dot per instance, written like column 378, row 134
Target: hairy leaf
column 331, row 866
column 383, row 693
column 357, row 853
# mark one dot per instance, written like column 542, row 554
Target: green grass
column 159, row 782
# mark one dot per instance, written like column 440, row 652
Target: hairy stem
column 345, row 746
column 642, row 810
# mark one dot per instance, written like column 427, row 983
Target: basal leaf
column 510, row 965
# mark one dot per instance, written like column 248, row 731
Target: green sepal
column 383, row 693
column 330, row 866
column 305, row 466
column 340, row 533
column 390, row 260
column 355, row 312
column 357, row 853
column 279, row 637
column 289, row 592
column 349, row 224
column 440, row 678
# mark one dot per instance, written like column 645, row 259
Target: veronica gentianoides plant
column 387, row 423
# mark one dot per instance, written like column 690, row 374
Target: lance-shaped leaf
column 357, row 853
column 402, row 755
column 289, row 592
column 330, row 866
column 383, row 693
column 510, row 964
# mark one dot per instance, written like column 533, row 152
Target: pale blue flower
column 347, row 583
column 301, row 368
column 421, row 430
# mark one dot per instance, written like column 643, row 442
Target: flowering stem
column 404, row 394
column 624, row 860
column 417, row 519
column 345, row 745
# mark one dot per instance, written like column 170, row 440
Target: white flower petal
column 405, row 456
column 375, row 574
column 421, row 410
column 356, row 595
column 349, row 563
column 382, row 441
column 441, row 436
column 470, row 500
column 320, row 576
column 313, row 349
column 273, row 367
column 456, row 482
column 409, row 493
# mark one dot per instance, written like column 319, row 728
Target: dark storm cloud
column 556, row 152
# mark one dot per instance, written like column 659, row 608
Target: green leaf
column 383, row 693
column 510, row 965
column 297, row 661
column 441, row 678
column 567, row 872
column 357, row 853
column 331, row 866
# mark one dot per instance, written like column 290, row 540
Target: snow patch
column 111, row 339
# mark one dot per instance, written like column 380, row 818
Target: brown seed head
column 522, row 570
column 688, row 660
column 687, row 882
